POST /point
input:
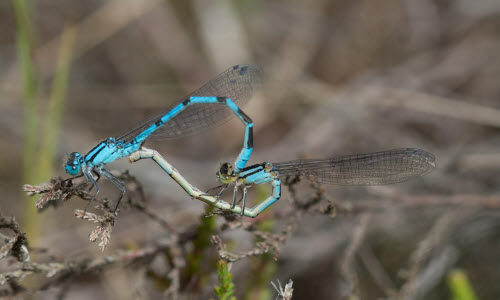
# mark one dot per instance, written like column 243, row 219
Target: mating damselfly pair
column 213, row 104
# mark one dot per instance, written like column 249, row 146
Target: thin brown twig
column 408, row 201
column 58, row 272
column 270, row 242
column 177, row 262
column 285, row 293
column 436, row 236
column 61, row 190
column 134, row 186
column 154, row 216
column 379, row 95
column 377, row 271
column 309, row 204
column 16, row 246
column 348, row 262
column 104, row 228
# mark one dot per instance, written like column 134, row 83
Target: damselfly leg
column 244, row 200
column 90, row 178
column 117, row 182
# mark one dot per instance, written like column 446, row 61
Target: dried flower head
column 104, row 228
column 285, row 293
column 58, row 189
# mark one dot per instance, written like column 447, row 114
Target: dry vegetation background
column 342, row 77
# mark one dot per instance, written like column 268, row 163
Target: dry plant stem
column 379, row 95
column 309, row 204
column 174, row 274
column 271, row 241
column 16, row 246
column 479, row 114
column 11, row 289
column 232, row 257
column 104, row 228
column 348, row 262
column 59, row 189
column 134, row 186
column 379, row 275
column 59, row 272
column 55, row 191
column 438, row 235
column 407, row 201
column 64, row 289
column 151, row 214
column 237, row 222
column 285, row 293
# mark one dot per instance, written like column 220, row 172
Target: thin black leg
column 117, row 182
column 74, row 177
column 244, row 200
column 97, row 180
column 223, row 186
column 90, row 178
column 235, row 195
column 222, row 190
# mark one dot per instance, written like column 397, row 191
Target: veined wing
column 385, row 167
column 237, row 83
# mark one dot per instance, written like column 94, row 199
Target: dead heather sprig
column 177, row 262
column 270, row 244
column 104, row 228
column 16, row 246
column 58, row 189
column 285, row 293
column 63, row 189
column 347, row 267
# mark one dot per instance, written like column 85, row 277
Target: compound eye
column 226, row 169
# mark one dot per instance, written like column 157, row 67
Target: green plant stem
column 226, row 289
column 24, row 53
column 24, row 38
column 263, row 268
column 52, row 125
column 44, row 167
column 460, row 286
column 196, row 259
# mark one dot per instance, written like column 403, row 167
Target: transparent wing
column 378, row 168
column 237, row 83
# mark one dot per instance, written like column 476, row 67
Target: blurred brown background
column 341, row 77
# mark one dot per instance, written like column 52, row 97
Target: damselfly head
column 226, row 173
column 72, row 165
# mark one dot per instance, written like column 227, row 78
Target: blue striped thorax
column 108, row 151
column 72, row 165
column 255, row 174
